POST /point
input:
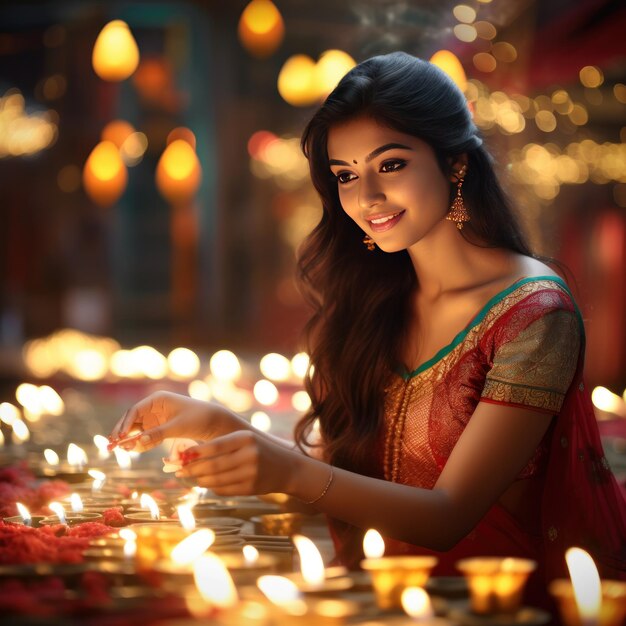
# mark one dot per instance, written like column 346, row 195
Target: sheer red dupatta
column 582, row 503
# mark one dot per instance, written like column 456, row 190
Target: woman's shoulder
column 533, row 290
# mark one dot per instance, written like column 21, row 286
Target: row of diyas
column 177, row 552
column 296, row 598
column 495, row 585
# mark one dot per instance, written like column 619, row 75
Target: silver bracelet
column 330, row 480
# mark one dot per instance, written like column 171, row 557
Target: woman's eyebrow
column 374, row 153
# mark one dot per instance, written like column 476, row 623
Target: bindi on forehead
column 354, row 161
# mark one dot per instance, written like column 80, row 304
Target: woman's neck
column 446, row 262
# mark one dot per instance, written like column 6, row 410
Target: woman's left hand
column 239, row 463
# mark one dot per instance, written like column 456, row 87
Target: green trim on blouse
column 479, row 318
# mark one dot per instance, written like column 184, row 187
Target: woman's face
column 389, row 183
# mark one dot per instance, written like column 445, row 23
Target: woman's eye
column 392, row 166
column 344, row 177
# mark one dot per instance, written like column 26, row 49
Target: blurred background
column 153, row 193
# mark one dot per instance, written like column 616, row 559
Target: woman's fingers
column 224, row 461
column 152, row 408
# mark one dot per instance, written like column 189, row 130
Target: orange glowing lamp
column 450, row 64
column 261, row 28
column 297, row 81
column 105, row 175
column 115, row 54
column 178, row 173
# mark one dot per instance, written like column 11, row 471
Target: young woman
column 447, row 358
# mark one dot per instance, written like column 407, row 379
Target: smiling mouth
column 385, row 222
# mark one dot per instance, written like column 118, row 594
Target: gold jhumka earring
column 458, row 211
column 369, row 242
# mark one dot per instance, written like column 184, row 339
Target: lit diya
column 24, row 517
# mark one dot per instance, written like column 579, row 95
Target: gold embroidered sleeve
column 535, row 369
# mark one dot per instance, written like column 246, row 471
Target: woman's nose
column 370, row 194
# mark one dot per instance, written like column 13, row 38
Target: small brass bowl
column 284, row 524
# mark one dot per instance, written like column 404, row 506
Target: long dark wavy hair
column 361, row 299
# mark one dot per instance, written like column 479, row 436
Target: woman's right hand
column 164, row 414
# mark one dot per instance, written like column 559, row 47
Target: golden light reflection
column 89, row 365
column 504, row 51
column 578, row 115
column 484, row 62
column 133, row 149
column 464, row 13
column 178, row 174
column 20, row 431
column 331, row 67
column 450, row 64
column 544, row 168
column 101, row 443
column 311, row 563
column 24, row 513
column 250, row 554
column 591, row 76
column 265, row 392
column 76, row 503
column 27, row 395
column 261, row 421
column 185, row 516
column 545, row 121
column 586, row 584
column 183, row 362
column 147, row 502
column 485, row 30
column 373, row 544
column 9, row 413
column 104, row 174
column 192, row 547
column 283, row 593
column 416, row 603
column 261, row 28
column 300, row 364
column 52, row 458
column 146, row 361
column 115, row 54
column 214, row 582
column 619, row 91
column 301, row 401
column 123, row 458
column 58, row 510
column 200, row 390
column 275, row 366
column 23, row 133
column 296, row 81
column 465, row 32
column 225, row 366
column 76, row 456
column 605, row 400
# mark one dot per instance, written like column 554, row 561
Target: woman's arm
column 494, row 447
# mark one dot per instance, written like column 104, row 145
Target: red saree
column 524, row 348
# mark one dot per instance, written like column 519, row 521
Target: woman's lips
column 384, row 222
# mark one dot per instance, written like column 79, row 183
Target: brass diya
column 283, row 524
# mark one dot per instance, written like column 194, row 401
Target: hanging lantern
column 115, row 54
column 105, row 175
column 296, row 81
column 450, row 64
column 261, row 28
column 332, row 66
column 178, row 173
